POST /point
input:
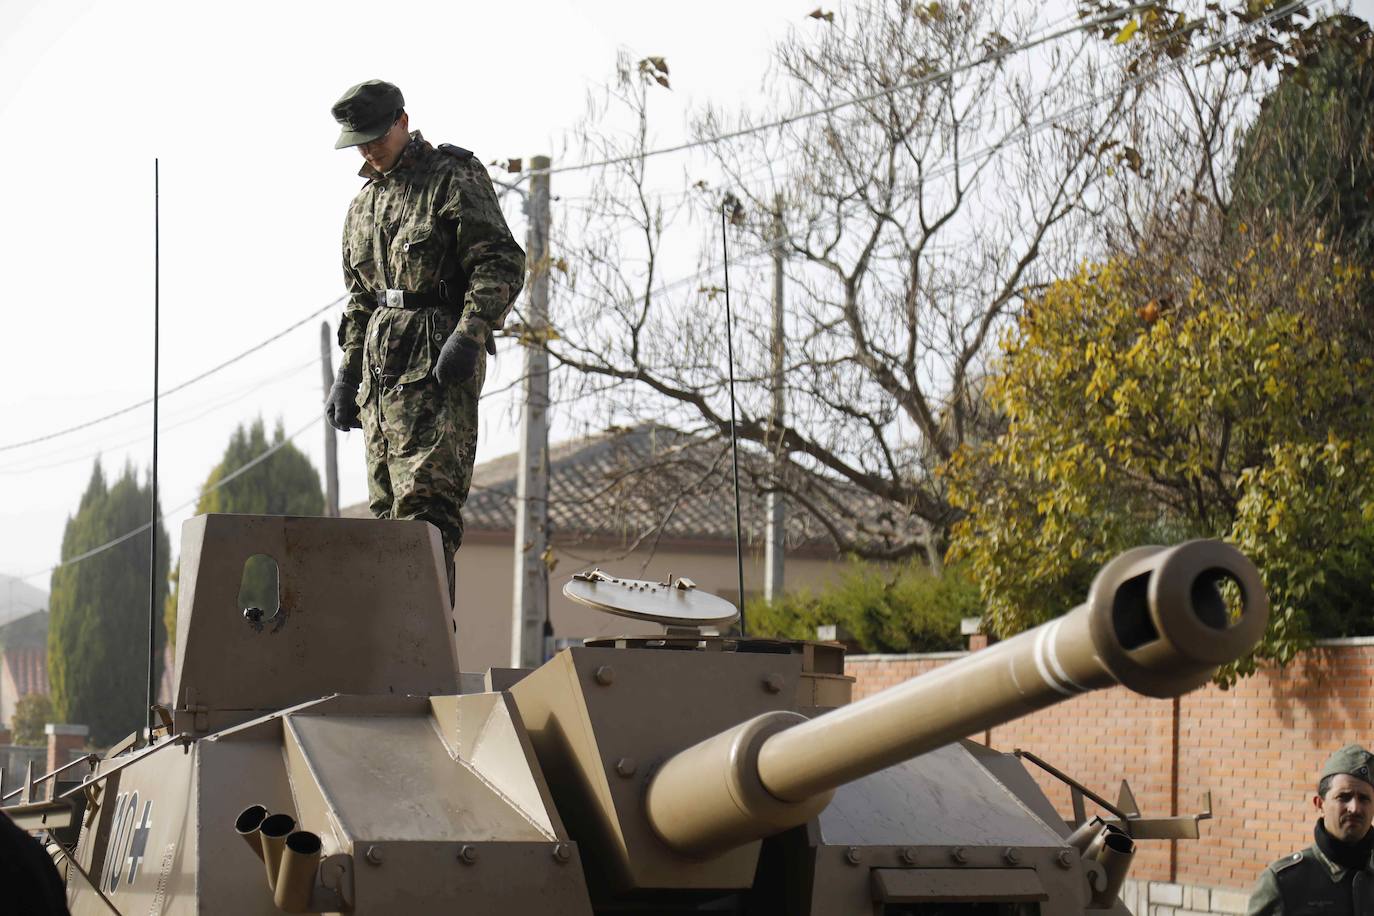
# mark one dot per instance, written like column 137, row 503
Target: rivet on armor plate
column 374, row 855
column 605, row 675
column 626, row 766
column 773, row 683
column 467, row 855
column 1012, row 855
column 562, row 853
column 959, row 854
column 908, row 855
column 853, row 855
column 1065, row 858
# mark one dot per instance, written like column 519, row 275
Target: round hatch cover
column 677, row 602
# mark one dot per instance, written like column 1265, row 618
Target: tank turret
column 1155, row 622
column 329, row 756
column 633, row 742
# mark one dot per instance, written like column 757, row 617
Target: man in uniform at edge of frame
column 431, row 270
column 1334, row 875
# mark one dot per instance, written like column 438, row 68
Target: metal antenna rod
column 734, row 444
column 152, row 530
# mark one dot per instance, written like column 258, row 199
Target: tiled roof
column 19, row 599
column 627, row 484
column 28, row 631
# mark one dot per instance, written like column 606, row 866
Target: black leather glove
column 342, row 405
column 457, row 360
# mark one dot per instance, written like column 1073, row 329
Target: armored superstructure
column 329, row 756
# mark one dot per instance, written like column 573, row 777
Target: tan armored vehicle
column 330, row 758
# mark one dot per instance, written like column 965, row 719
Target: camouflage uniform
column 430, row 225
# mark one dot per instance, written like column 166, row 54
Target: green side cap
column 366, row 112
column 1351, row 760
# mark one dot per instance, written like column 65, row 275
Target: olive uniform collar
column 1334, row 869
column 415, row 150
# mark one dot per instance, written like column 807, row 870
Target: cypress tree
column 284, row 484
column 98, row 628
column 1309, row 156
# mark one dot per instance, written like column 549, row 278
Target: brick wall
column 1257, row 747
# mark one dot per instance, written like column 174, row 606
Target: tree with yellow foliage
column 1156, row 399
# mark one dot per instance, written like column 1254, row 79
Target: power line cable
column 1028, row 129
column 992, row 57
column 162, row 516
column 1025, row 131
column 1250, row 27
column 173, row 390
column 266, row 382
column 665, row 195
column 1139, row 80
column 972, row 157
column 939, row 76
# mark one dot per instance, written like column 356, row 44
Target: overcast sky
column 234, row 99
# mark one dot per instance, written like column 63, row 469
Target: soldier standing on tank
column 1334, row 876
column 431, row 270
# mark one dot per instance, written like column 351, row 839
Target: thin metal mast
column 152, row 498
column 734, row 444
column 775, row 513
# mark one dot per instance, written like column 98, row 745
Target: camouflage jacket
column 430, row 223
column 1307, row 883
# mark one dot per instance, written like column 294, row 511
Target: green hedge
column 904, row 608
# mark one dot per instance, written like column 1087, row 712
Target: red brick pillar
column 6, row 737
column 972, row 629
column 62, row 740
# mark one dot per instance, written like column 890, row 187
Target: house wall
column 1257, row 747
column 23, row 669
column 9, row 692
column 23, row 660
column 486, row 586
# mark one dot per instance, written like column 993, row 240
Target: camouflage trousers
column 421, row 440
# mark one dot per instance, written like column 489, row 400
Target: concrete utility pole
column 774, row 534
column 530, row 611
column 331, row 448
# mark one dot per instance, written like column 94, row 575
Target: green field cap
column 366, row 112
column 1352, row 760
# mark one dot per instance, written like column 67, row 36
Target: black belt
column 404, row 299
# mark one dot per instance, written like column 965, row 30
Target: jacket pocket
column 420, row 257
column 404, row 351
column 362, row 266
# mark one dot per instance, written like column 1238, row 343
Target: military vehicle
column 327, row 756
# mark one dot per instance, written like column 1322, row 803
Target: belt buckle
column 395, row 298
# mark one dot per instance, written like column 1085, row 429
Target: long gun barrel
column 1156, row 621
